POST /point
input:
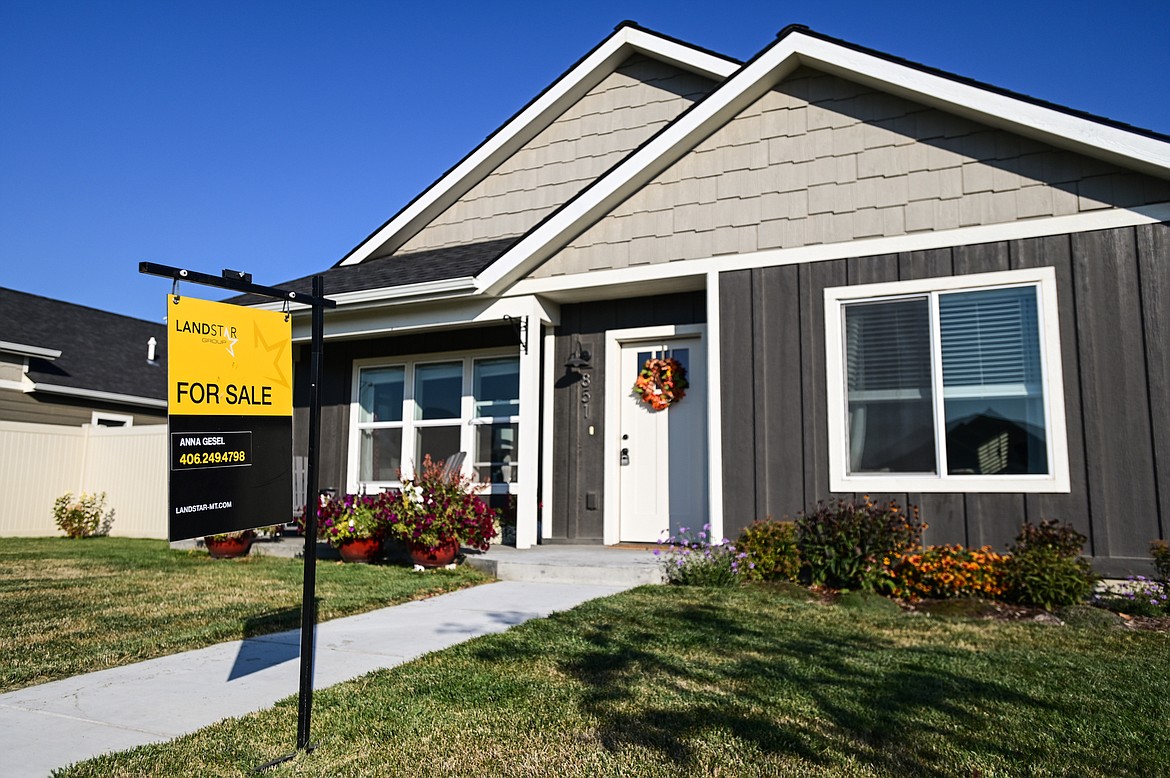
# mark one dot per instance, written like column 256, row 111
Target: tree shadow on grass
column 820, row 693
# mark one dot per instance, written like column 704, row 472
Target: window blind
column 990, row 340
column 888, row 347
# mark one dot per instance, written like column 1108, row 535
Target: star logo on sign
column 232, row 346
column 275, row 352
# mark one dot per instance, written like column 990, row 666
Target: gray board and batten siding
column 1114, row 311
column 820, row 159
column 578, row 457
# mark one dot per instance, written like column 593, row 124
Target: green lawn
column 75, row 606
column 665, row 681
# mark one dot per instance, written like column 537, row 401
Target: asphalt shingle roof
column 399, row 270
column 100, row 351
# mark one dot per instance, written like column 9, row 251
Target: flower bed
column 945, row 572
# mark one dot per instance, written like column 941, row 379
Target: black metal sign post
column 242, row 282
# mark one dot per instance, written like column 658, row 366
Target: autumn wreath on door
column 661, row 382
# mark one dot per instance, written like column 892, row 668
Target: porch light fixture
column 579, row 359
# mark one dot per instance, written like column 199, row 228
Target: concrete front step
column 592, row 565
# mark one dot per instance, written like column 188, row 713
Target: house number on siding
column 585, row 393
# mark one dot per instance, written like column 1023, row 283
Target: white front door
column 663, row 454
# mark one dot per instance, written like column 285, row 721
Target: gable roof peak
column 1127, row 147
column 788, row 28
column 626, row 40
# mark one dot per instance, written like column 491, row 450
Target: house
column 67, row 364
column 879, row 278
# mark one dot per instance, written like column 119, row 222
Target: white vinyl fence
column 40, row 462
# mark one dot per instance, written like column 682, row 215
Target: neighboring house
column 882, row 279
column 62, row 363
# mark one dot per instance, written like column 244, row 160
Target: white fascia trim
column 23, row 350
column 531, row 120
column 1057, row 481
column 397, row 319
column 93, row 394
column 443, row 289
column 688, row 58
column 921, row 241
column 1132, row 149
column 437, row 290
column 764, row 72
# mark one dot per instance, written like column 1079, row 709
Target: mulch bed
column 991, row 610
column 1002, row 611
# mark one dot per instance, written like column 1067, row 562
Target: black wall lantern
column 579, row 359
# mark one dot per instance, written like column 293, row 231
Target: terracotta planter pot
column 361, row 550
column 439, row 557
column 228, row 548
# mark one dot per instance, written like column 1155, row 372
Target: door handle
column 625, row 456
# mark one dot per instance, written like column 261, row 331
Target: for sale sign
column 230, row 416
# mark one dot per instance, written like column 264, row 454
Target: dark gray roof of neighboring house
column 100, row 351
column 398, row 270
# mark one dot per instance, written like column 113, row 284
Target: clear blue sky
column 274, row 136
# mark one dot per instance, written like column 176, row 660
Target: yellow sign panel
column 227, row 360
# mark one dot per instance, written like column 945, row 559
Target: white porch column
column 548, row 433
column 529, row 432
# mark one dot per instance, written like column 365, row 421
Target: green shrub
column 1160, row 551
column 84, row 517
column 1045, row 567
column 847, row 545
column 772, row 551
column 1061, row 538
column 696, row 559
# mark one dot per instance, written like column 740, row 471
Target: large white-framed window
column 406, row 408
column 946, row 385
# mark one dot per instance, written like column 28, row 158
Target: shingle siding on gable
column 621, row 112
column 823, row 160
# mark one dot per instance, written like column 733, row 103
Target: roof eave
column 25, row 350
column 94, row 394
column 429, row 291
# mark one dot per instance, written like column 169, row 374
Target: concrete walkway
column 55, row 724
